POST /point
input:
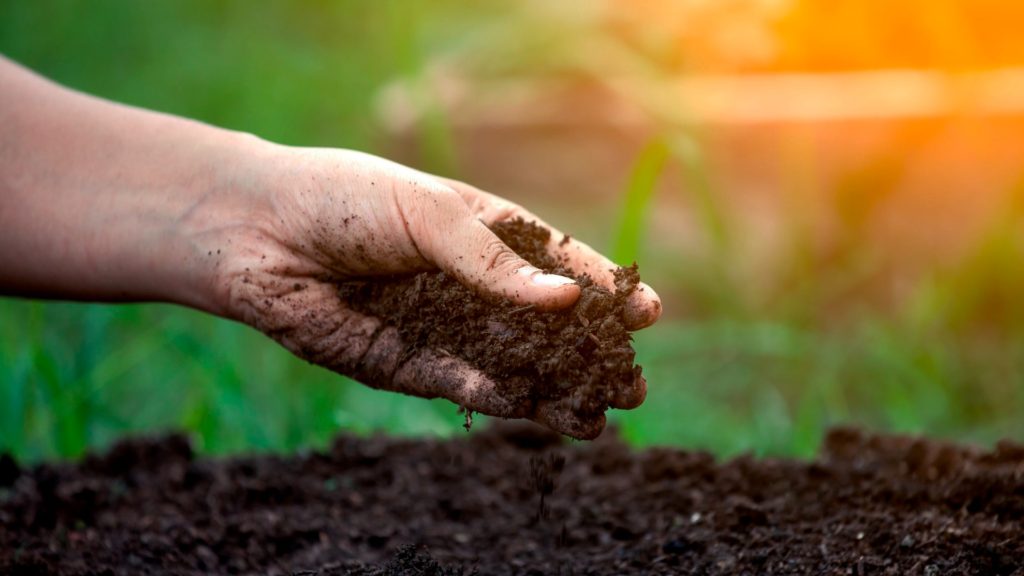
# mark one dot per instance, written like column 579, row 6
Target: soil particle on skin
column 583, row 352
column 377, row 506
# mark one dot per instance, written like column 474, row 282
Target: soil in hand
column 867, row 505
column 583, row 353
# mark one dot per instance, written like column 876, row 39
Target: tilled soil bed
column 517, row 500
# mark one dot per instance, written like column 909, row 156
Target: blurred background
column 829, row 196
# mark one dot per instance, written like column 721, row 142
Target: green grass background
column 736, row 377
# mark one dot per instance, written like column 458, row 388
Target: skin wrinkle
column 382, row 358
column 344, row 346
column 335, row 338
column 332, row 338
column 405, row 226
column 327, row 336
column 498, row 256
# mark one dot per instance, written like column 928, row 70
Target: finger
column 631, row 396
column 435, row 374
column 309, row 319
column 643, row 306
column 467, row 249
column 559, row 416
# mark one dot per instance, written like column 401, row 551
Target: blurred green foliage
column 764, row 375
column 768, row 373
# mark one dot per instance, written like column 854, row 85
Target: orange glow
column 814, row 35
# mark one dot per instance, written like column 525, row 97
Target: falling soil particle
column 583, row 353
column 868, row 505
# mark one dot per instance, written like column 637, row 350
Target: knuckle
column 497, row 257
column 445, row 200
column 502, row 210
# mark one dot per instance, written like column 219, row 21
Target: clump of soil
column 378, row 506
column 583, row 353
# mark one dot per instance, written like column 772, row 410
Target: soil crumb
column 377, row 506
column 584, row 352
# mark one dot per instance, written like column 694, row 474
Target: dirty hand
column 100, row 201
column 318, row 216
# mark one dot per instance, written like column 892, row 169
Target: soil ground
column 515, row 499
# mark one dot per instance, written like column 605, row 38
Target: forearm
column 101, row 201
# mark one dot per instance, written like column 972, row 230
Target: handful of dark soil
column 582, row 353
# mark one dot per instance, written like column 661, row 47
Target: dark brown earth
column 517, row 500
column 583, row 353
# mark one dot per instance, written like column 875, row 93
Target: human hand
column 316, row 217
column 105, row 202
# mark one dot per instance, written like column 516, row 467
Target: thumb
column 478, row 258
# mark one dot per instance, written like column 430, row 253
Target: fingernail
column 551, row 280
column 539, row 278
